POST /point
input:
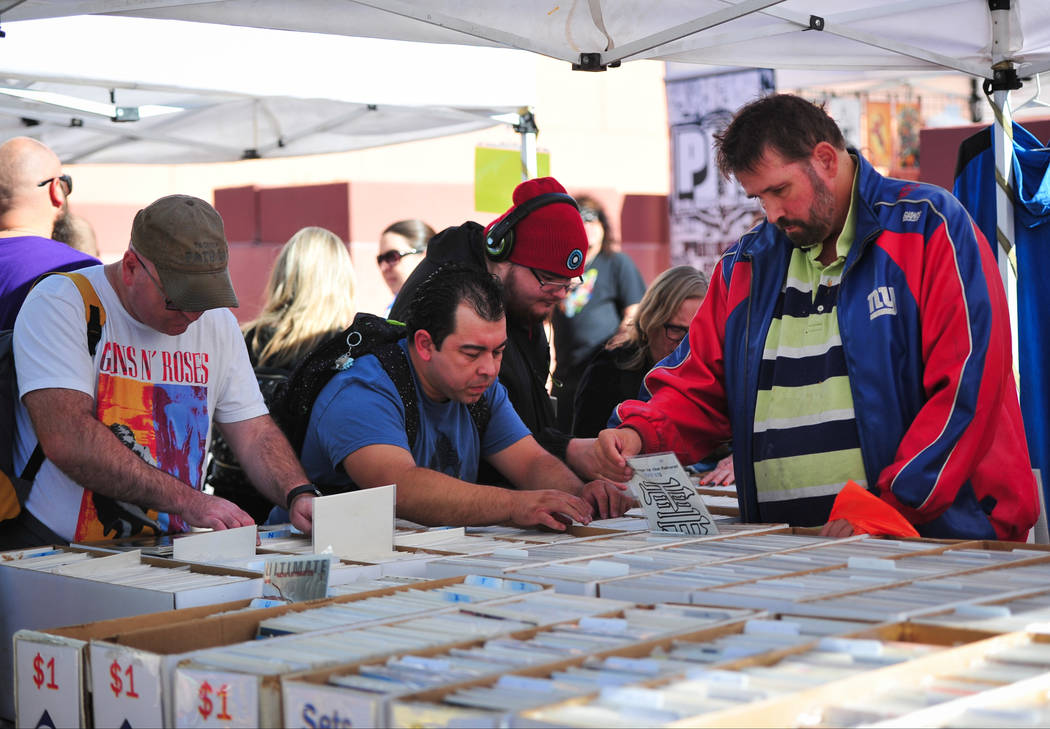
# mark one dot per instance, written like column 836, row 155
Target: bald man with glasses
column 34, row 198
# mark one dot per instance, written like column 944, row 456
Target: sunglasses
column 393, row 257
column 66, row 180
column 565, row 285
column 168, row 303
column 674, row 332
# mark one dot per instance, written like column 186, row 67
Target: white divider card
column 297, row 578
column 206, row 698
column 316, row 705
column 356, row 525
column 127, row 686
column 49, row 683
column 97, row 565
column 668, row 496
column 224, row 543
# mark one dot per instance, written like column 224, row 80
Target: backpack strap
column 94, row 312
column 94, row 318
column 395, row 364
column 481, row 412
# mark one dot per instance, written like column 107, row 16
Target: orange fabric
column 868, row 514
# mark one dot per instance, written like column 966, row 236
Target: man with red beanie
column 537, row 249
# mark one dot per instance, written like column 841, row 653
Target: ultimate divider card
column 665, row 491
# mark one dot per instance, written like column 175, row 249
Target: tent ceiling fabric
column 856, row 34
column 243, row 92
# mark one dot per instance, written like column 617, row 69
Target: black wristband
column 306, row 488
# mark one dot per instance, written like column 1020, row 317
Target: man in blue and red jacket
column 860, row 332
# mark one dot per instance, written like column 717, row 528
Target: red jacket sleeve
column 687, row 412
column 969, row 428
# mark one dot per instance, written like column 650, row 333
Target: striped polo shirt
column 805, row 441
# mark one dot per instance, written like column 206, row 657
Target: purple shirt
column 22, row 259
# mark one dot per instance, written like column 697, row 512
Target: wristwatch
column 306, row 488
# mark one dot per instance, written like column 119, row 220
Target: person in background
column 615, row 372
column 309, row 297
column 604, row 304
column 76, row 232
column 859, row 334
column 401, row 247
column 34, row 195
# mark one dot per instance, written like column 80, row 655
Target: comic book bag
column 15, row 487
column 368, row 334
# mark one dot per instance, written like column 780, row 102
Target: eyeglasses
column 566, row 285
column 66, row 181
column 674, row 332
column 588, row 215
column 168, row 303
column 393, row 257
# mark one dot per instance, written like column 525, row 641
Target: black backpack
column 15, row 487
column 368, row 334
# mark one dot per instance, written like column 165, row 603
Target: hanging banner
column 880, row 135
column 708, row 213
column 909, row 122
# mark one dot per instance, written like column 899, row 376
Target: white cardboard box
column 36, row 600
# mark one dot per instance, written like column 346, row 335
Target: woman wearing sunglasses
column 401, row 247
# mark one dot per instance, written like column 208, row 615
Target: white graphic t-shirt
column 157, row 393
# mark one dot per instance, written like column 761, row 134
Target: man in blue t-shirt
column 456, row 336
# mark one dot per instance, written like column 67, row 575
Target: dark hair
column 609, row 242
column 415, row 231
column 434, row 303
column 786, row 124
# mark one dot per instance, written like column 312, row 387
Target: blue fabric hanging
column 975, row 187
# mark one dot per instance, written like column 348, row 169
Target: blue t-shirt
column 361, row 407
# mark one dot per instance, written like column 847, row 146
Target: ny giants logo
column 882, row 300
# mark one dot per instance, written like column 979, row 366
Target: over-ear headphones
column 500, row 240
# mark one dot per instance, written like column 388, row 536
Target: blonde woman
column 309, row 297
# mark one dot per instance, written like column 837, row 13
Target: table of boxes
column 604, row 626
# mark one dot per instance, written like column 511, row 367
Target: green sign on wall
column 497, row 172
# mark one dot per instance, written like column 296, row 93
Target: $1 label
column 122, row 680
column 44, row 672
column 212, row 699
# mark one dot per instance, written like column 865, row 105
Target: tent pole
column 526, row 127
column 1003, row 80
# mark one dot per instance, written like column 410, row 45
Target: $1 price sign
column 44, row 673
column 207, row 704
column 117, row 683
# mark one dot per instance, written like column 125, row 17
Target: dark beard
column 815, row 230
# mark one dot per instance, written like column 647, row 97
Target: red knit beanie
column 550, row 238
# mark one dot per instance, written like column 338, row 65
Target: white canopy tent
column 997, row 40
column 132, row 90
column 1000, row 41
